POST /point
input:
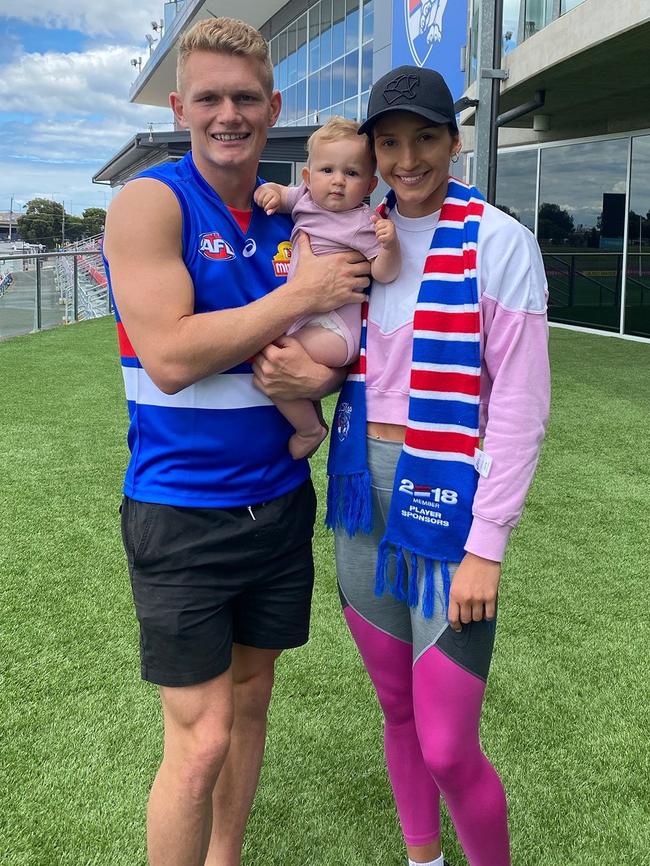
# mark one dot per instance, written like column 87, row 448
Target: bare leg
column 252, row 673
column 325, row 347
column 424, row 853
column 197, row 735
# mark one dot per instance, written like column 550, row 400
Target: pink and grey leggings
column 430, row 682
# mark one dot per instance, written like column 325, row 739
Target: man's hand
column 326, row 283
column 385, row 231
column 268, row 198
column 473, row 595
column 284, row 371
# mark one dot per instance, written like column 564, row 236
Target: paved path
column 18, row 303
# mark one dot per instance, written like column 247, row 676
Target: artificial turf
column 566, row 716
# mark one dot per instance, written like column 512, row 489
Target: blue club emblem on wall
column 424, row 22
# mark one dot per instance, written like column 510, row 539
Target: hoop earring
column 455, row 157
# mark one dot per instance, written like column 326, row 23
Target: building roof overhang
column 150, row 148
column 158, row 77
column 592, row 66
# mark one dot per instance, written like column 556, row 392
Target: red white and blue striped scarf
column 435, row 482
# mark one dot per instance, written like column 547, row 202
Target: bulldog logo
column 402, row 87
column 343, row 421
column 423, row 26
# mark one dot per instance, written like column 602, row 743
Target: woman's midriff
column 389, row 432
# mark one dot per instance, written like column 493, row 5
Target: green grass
column 566, row 717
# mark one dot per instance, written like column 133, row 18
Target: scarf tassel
column 446, row 581
column 413, row 595
column 383, row 556
column 349, row 503
column 397, row 588
column 428, row 598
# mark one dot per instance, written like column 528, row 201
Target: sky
column 65, row 75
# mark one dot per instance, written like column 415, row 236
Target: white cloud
column 75, row 84
column 69, row 113
column 93, row 17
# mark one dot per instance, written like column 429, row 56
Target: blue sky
column 65, row 75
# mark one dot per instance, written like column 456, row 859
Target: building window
column 580, row 231
column 637, row 287
column 517, row 185
column 312, row 86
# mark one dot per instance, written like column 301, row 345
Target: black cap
column 411, row 88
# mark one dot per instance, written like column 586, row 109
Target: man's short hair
column 336, row 129
column 227, row 36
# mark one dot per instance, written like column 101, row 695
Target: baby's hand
column 385, row 231
column 267, row 198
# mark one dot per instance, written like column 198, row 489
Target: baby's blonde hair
column 228, row 36
column 336, row 129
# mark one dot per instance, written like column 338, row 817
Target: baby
column 328, row 206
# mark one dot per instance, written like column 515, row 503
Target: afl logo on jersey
column 214, row 247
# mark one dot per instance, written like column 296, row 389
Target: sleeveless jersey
column 218, row 443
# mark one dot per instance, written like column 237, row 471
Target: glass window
column 516, row 185
column 290, row 105
column 338, row 28
column 314, row 37
column 325, row 32
column 580, row 230
column 351, row 24
column 368, row 19
column 301, row 99
column 510, row 24
column 350, row 109
column 568, row 5
column 324, row 100
column 537, row 14
column 473, row 43
column 273, row 45
column 637, row 287
column 351, row 74
column 292, row 59
column 338, row 80
column 276, row 172
column 302, row 46
column 338, row 109
column 313, row 93
column 364, row 104
column 281, row 82
column 366, row 66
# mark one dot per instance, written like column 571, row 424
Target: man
column 217, row 518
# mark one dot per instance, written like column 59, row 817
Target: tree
column 75, row 228
column 507, row 210
column 94, row 219
column 42, row 222
column 554, row 224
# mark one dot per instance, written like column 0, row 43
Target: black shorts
column 205, row 578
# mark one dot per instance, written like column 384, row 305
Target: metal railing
column 44, row 290
column 565, row 276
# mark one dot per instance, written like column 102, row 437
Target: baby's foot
column 305, row 444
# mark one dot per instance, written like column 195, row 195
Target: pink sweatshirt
column 515, row 377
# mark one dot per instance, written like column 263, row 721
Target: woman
column 455, row 348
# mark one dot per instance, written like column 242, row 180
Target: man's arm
column 155, row 296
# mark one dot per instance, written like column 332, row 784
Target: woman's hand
column 473, row 595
